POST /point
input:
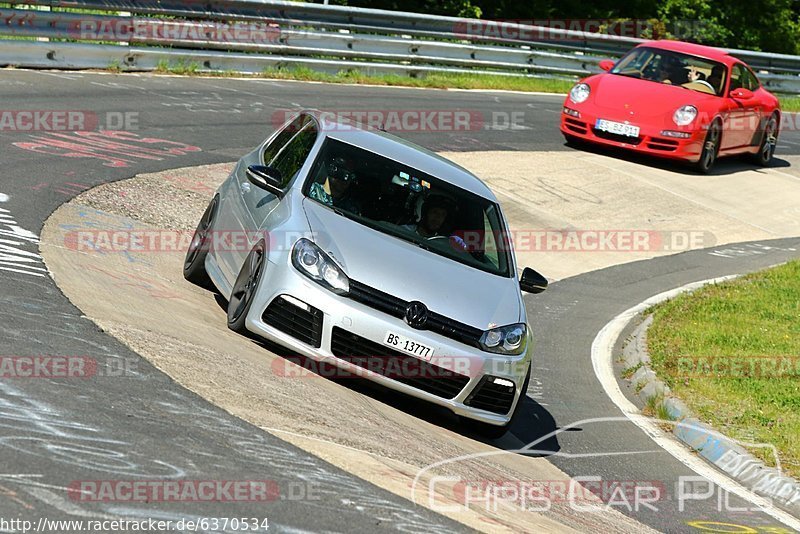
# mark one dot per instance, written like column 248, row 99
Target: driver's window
column 736, row 77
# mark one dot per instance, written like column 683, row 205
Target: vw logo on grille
column 416, row 314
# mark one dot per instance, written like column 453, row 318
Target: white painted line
column 4, row 197
column 602, row 357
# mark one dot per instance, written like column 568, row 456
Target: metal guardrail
column 252, row 35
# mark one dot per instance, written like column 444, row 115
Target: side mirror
column 606, row 65
column 267, row 178
column 531, row 281
column 741, row 94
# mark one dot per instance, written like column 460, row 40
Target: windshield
column 665, row 66
column 403, row 202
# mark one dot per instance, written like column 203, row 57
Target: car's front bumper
column 651, row 140
column 370, row 324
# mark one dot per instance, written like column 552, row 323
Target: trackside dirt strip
column 226, row 117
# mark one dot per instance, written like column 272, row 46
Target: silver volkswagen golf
column 363, row 250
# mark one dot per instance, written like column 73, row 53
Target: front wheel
column 708, row 156
column 244, row 289
column 194, row 265
column 768, row 143
column 573, row 141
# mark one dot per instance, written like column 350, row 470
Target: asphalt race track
column 55, row 432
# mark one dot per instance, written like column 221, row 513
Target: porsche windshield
column 665, row 66
column 403, row 202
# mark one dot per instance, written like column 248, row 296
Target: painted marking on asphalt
column 602, row 362
column 751, row 249
column 13, row 240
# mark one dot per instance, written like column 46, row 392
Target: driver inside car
column 437, row 212
column 337, row 188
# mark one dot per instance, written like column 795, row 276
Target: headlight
column 684, row 115
column 579, row 93
column 315, row 264
column 509, row 339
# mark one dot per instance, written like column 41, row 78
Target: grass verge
column 790, row 103
column 437, row 81
column 731, row 351
column 433, row 80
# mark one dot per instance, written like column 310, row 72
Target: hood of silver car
column 460, row 292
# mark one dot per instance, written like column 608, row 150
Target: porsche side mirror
column 606, row 65
column 741, row 94
column 531, row 281
column 267, row 178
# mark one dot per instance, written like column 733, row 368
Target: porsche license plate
column 618, row 128
column 407, row 345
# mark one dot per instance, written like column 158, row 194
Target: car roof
column 403, row 151
column 707, row 52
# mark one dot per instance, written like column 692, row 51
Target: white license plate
column 407, row 345
column 617, row 128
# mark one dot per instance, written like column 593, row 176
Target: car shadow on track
column 723, row 167
column 533, row 425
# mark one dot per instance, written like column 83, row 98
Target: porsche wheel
column 244, row 289
column 194, row 265
column 768, row 142
column 573, row 141
column 710, row 151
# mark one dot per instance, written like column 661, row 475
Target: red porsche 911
column 676, row 100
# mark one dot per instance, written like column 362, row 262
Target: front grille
column 617, row 137
column 575, row 125
column 396, row 307
column 668, row 145
column 396, row 365
column 300, row 323
column 491, row 397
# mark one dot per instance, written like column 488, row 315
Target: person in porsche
column 675, row 100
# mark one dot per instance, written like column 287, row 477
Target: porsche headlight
column 579, row 92
column 684, row 115
column 511, row 339
column 318, row 266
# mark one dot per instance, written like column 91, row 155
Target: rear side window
column 290, row 159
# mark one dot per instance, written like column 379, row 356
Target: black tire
column 574, row 142
column 194, row 265
column 769, row 140
column 244, row 289
column 487, row 431
column 708, row 156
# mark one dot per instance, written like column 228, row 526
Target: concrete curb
column 723, row 452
